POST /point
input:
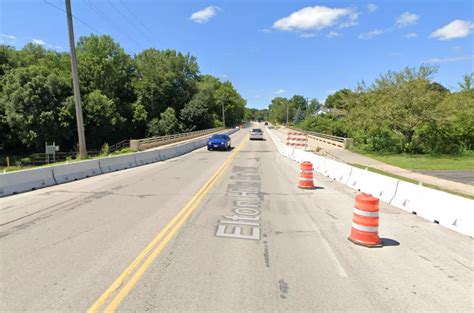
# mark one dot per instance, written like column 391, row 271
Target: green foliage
column 166, row 125
column 338, row 99
column 154, row 92
column 402, row 112
column 105, row 150
column 31, row 101
column 278, row 110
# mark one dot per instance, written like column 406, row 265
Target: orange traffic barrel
column 306, row 175
column 365, row 221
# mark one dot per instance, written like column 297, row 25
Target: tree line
column 155, row 92
column 401, row 112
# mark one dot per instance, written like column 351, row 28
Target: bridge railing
column 153, row 142
column 341, row 142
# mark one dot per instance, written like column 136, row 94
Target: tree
column 196, row 113
column 32, row 99
column 278, row 109
column 313, row 107
column 166, row 125
column 338, row 100
column 467, row 83
column 233, row 103
column 165, row 79
column 299, row 103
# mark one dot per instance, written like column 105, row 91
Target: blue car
column 218, row 142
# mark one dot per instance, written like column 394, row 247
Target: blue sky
column 269, row 48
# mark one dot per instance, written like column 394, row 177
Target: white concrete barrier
column 26, row 180
column 436, row 206
column 117, row 163
column 338, row 171
column 380, row 186
column 77, row 170
column 147, row 157
column 167, row 153
column 450, row 211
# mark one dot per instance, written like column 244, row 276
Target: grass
column 424, row 162
column 413, row 181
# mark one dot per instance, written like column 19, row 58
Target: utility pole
column 223, row 114
column 286, row 113
column 75, row 83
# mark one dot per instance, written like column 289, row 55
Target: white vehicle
column 256, row 134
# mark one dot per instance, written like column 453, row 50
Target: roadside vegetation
column 152, row 93
column 425, row 162
column 404, row 118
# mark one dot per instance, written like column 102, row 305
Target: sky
column 268, row 48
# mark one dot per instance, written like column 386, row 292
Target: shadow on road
column 387, row 242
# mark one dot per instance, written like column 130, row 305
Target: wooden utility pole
column 75, row 83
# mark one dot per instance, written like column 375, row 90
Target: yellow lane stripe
column 174, row 225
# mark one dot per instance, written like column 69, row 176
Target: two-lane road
column 220, row 231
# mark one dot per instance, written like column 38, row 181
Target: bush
column 105, row 149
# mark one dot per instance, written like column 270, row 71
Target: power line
column 75, row 17
column 127, row 19
column 110, row 21
column 136, row 18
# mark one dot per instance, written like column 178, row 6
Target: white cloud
column 333, row 34
column 453, row 30
column 38, row 42
column 280, row 91
column 11, row 37
column 406, row 19
column 204, row 15
column 224, row 76
column 371, row 34
column 307, row 35
column 451, row 59
column 316, row 18
column 410, row 35
column 372, row 7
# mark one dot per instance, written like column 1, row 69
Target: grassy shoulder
column 413, row 181
column 4, row 169
column 424, row 162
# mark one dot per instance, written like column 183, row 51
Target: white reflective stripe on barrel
column 365, row 213
column 365, row 228
column 307, row 171
column 306, row 179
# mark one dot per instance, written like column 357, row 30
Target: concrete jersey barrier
column 73, row 171
column 27, row 180
column 117, row 163
column 451, row 211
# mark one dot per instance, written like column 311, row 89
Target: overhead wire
column 73, row 16
column 130, row 22
column 111, row 22
column 136, row 18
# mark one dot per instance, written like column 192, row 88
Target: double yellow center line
column 127, row 280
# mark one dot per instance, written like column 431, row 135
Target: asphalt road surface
column 461, row 176
column 221, row 231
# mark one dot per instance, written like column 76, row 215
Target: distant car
column 256, row 133
column 266, row 123
column 219, row 142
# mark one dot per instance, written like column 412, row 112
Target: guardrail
column 153, row 142
column 120, row 145
column 342, row 142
